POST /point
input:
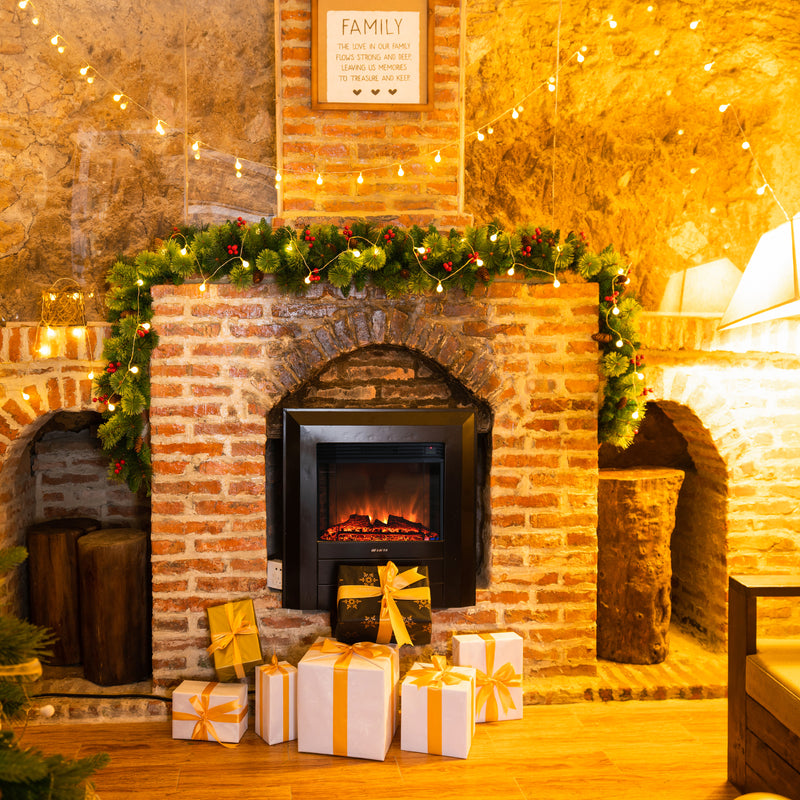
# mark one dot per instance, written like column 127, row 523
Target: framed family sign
column 372, row 54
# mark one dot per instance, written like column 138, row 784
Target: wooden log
column 53, row 582
column 636, row 516
column 114, row 566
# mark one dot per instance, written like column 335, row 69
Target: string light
column 680, row 131
column 615, row 311
column 580, row 57
column 612, row 23
column 25, row 395
column 183, row 251
column 160, row 128
column 635, row 415
column 619, row 343
column 693, row 24
column 510, row 271
column 762, row 189
column 745, row 145
column 278, row 176
column 238, row 167
column 515, row 114
column 438, row 157
column 90, row 376
column 35, row 21
column 490, row 130
column 708, row 67
column 439, row 287
column 203, row 286
column 481, row 137
column 78, row 333
column 360, row 178
column 556, row 283
column 493, row 237
column 23, row 4
column 319, row 179
column 135, row 369
column 723, row 108
column 146, row 326
column 400, row 172
column 357, row 253
column 111, row 407
column 196, row 150
column 245, row 264
column 307, row 279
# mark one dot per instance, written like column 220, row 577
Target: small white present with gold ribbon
column 347, row 699
column 438, row 709
column 276, row 701
column 210, row 711
column 498, row 659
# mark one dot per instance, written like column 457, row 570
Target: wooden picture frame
column 372, row 54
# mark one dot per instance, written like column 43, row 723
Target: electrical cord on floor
column 88, row 696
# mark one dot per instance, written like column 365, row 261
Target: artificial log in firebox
column 114, row 566
column 53, row 582
column 636, row 517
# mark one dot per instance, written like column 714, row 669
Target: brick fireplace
column 229, row 361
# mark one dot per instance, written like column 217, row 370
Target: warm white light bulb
column 421, row 250
column 493, row 237
column 238, row 164
column 693, row 170
column 278, row 176
column 510, row 271
column 123, row 105
column 90, row 376
column 400, row 172
column 54, row 40
column 635, row 415
column 581, row 58
column 615, row 311
column 640, row 376
column 288, row 248
column 612, row 23
column 761, row 189
column 183, row 251
column 117, row 98
column 35, row 21
column 51, row 334
column 23, row 3
column 619, row 343
column 490, row 130
column 61, row 48
column 245, row 264
column 375, row 251
column 439, row 288
column 479, row 262
column 238, row 173
column 708, row 67
column 77, row 333
column 196, row 146
column 438, row 157
column 84, row 70
column 139, row 282
column 25, row 395
column 146, row 326
column 656, row 52
column 693, row 24
column 307, row 279
column 556, row 283
column 135, row 370
column 112, row 407
column 319, row 179
column 520, row 109
column 203, row 286
column 515, row 114
column 680, row 131
column 357, row 253
column 723, row 108
column 160, row 128
column 360, row 178
column 481, row 137
column 551, row 87
column 745, row 145
column 44, row 350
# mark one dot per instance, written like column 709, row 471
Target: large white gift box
column 347, row 699
column 276, row 701
column 498, row 659
column 438, row 709
column 209, row 711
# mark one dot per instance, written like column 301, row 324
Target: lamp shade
column 770, row 286
column 702, row 290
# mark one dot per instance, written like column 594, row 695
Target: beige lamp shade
column 702, row 290
column 770, row 286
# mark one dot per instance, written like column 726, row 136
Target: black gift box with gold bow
column 383, row 604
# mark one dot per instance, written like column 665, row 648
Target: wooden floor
column 667, row 750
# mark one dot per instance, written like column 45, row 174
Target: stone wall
column 226, row 358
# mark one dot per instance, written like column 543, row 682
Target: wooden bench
column 763, row 693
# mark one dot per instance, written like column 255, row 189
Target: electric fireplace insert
column 367, row 486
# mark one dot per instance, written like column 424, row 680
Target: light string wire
column 555, row 110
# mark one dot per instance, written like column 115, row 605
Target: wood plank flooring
column 666, row 750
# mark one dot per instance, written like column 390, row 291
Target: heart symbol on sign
column 356, row 91
column 392, row 91
column 376, row 91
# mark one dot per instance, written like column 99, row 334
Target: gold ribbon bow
column 274, row 668
column 438, row 675
column 27, row 669
column 206, row 717
column 363, row 650
column 237, row 627
column 393, row 586
column 490, row 680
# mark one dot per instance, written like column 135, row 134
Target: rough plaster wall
column 83, row 181
column 623, row 174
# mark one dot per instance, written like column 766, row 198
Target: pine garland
column 399, row 261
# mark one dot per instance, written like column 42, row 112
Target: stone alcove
column 671, row 435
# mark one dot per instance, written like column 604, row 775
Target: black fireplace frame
column 309, row 565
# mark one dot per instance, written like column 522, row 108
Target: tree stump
column 636, row 517
column 114, row 567
column 53, row 582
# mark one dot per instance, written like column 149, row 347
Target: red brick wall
column 340, row 144
column 524, row 350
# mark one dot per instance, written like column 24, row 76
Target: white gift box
column 346, row 699
column 209, row 711
column 498, row 659
column 276, row 701
column 438, row 708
